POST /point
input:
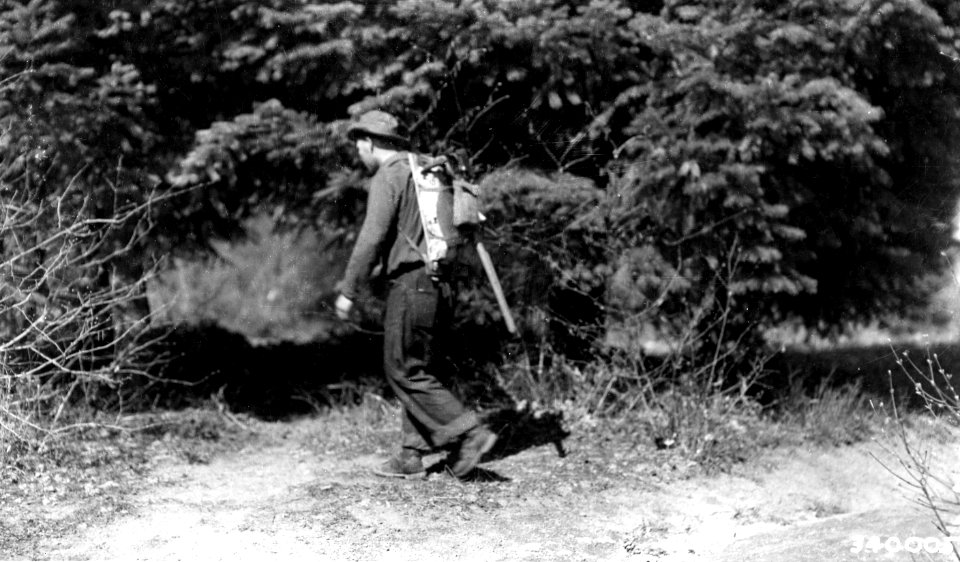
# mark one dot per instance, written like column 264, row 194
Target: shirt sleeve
column 381, row 210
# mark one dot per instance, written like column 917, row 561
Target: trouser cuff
column 451, row 432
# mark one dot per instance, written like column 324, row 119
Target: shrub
column 271, row 285
column 936, row 489
column 71, row 324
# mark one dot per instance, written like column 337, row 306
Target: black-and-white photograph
column 480, row 280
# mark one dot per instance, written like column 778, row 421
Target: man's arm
column 381, row 208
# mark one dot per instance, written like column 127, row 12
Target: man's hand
column 343, row 307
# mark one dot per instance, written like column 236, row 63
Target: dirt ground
column 302, row 489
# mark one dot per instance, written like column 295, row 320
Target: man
column 417, row 306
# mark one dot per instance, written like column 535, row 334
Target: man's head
column 377, row 136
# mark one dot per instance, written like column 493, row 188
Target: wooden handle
column 497, row 289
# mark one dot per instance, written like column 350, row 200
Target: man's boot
column 406, row 464
column 475, row 444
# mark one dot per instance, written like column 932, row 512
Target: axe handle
column 497, row 289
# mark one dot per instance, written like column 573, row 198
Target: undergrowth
column 716, row 426
column 931, row 479
column 269, row 286
column 258, row 304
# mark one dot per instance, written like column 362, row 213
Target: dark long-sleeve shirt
column 391, row 223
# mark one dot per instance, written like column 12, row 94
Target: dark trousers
column 418, row 308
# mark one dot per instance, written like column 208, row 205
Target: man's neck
column 383, row 155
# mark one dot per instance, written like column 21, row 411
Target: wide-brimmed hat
column 377, row 124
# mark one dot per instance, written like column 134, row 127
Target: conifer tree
column 810, row 144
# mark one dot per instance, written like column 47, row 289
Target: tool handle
column 497, row 289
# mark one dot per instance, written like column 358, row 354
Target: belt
column 405, row 268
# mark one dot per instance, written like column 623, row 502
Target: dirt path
column 302, row 490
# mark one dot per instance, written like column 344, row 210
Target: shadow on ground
column 270, row 381
column 518, row 430
column 281, row 380
column 874, row 368
column 476, row 475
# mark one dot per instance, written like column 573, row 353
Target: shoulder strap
column 417, row 175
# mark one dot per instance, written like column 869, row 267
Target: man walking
column 418, row 306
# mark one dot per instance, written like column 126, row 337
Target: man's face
column 365, row 151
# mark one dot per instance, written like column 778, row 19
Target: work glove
column 342, row 306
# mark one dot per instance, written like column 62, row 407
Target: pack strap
column 415, row 171
column 423, row 255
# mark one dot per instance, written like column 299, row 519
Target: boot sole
column 475, row 459
column 402, row 475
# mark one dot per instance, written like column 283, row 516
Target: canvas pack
column 449, row 208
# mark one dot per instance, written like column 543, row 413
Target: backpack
column 449, row 208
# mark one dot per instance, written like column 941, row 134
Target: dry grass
column 89, row 478
column 830, row 414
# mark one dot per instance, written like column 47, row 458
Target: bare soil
column 249, row 489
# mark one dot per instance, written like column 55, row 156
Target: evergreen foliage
column 64, row 113
column 791, row 159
